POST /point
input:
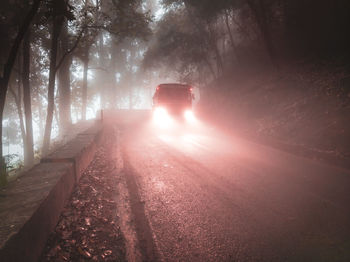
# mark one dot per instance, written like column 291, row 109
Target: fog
column 246, row 61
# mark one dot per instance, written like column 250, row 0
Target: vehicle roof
column 174, row 85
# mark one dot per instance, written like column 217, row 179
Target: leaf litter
column 88, row 227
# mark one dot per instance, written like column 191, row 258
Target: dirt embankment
column 305, row 106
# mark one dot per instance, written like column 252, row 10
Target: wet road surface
column 198, row 195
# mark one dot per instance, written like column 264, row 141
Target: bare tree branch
column 13, row 93
column 22, row 30
column 70, row 50
column 98, row 68
column 105, row 28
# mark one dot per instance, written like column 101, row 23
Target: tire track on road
column 146, row 244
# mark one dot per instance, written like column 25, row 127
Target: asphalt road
column 196, row 194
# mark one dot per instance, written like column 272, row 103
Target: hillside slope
column 304, row 106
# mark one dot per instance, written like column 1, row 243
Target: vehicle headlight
column 189, row 116
column 161, row 118
column 160, row 112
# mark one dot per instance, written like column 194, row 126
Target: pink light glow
column 189, row 116
column 161, row 118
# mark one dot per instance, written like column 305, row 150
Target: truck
column 174, row 100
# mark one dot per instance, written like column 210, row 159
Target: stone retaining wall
column 31, row 205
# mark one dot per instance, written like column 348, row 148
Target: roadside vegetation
column 58, row 62
column 278, row 68
column 269, row 69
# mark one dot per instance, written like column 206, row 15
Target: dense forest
column 63, row 60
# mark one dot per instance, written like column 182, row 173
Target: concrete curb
column 30, row 206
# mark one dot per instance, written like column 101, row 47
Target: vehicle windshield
column 173, row 94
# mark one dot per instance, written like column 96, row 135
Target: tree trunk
column 18, row 98
column 211, row 69
column 233, row 44
column 112, row 73
column 29, row 159
column 41, row 117
column 64, row 85
column 102, row 74
column 259, row 11
column 51, row 88
column 55, row 114
column 4, row 80
column 84, row 98
column 214, row 46
column 3, row 86
column 18, row 101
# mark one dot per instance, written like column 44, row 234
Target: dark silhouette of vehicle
column 174, row 99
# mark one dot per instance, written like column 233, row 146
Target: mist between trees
column 62, row 60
